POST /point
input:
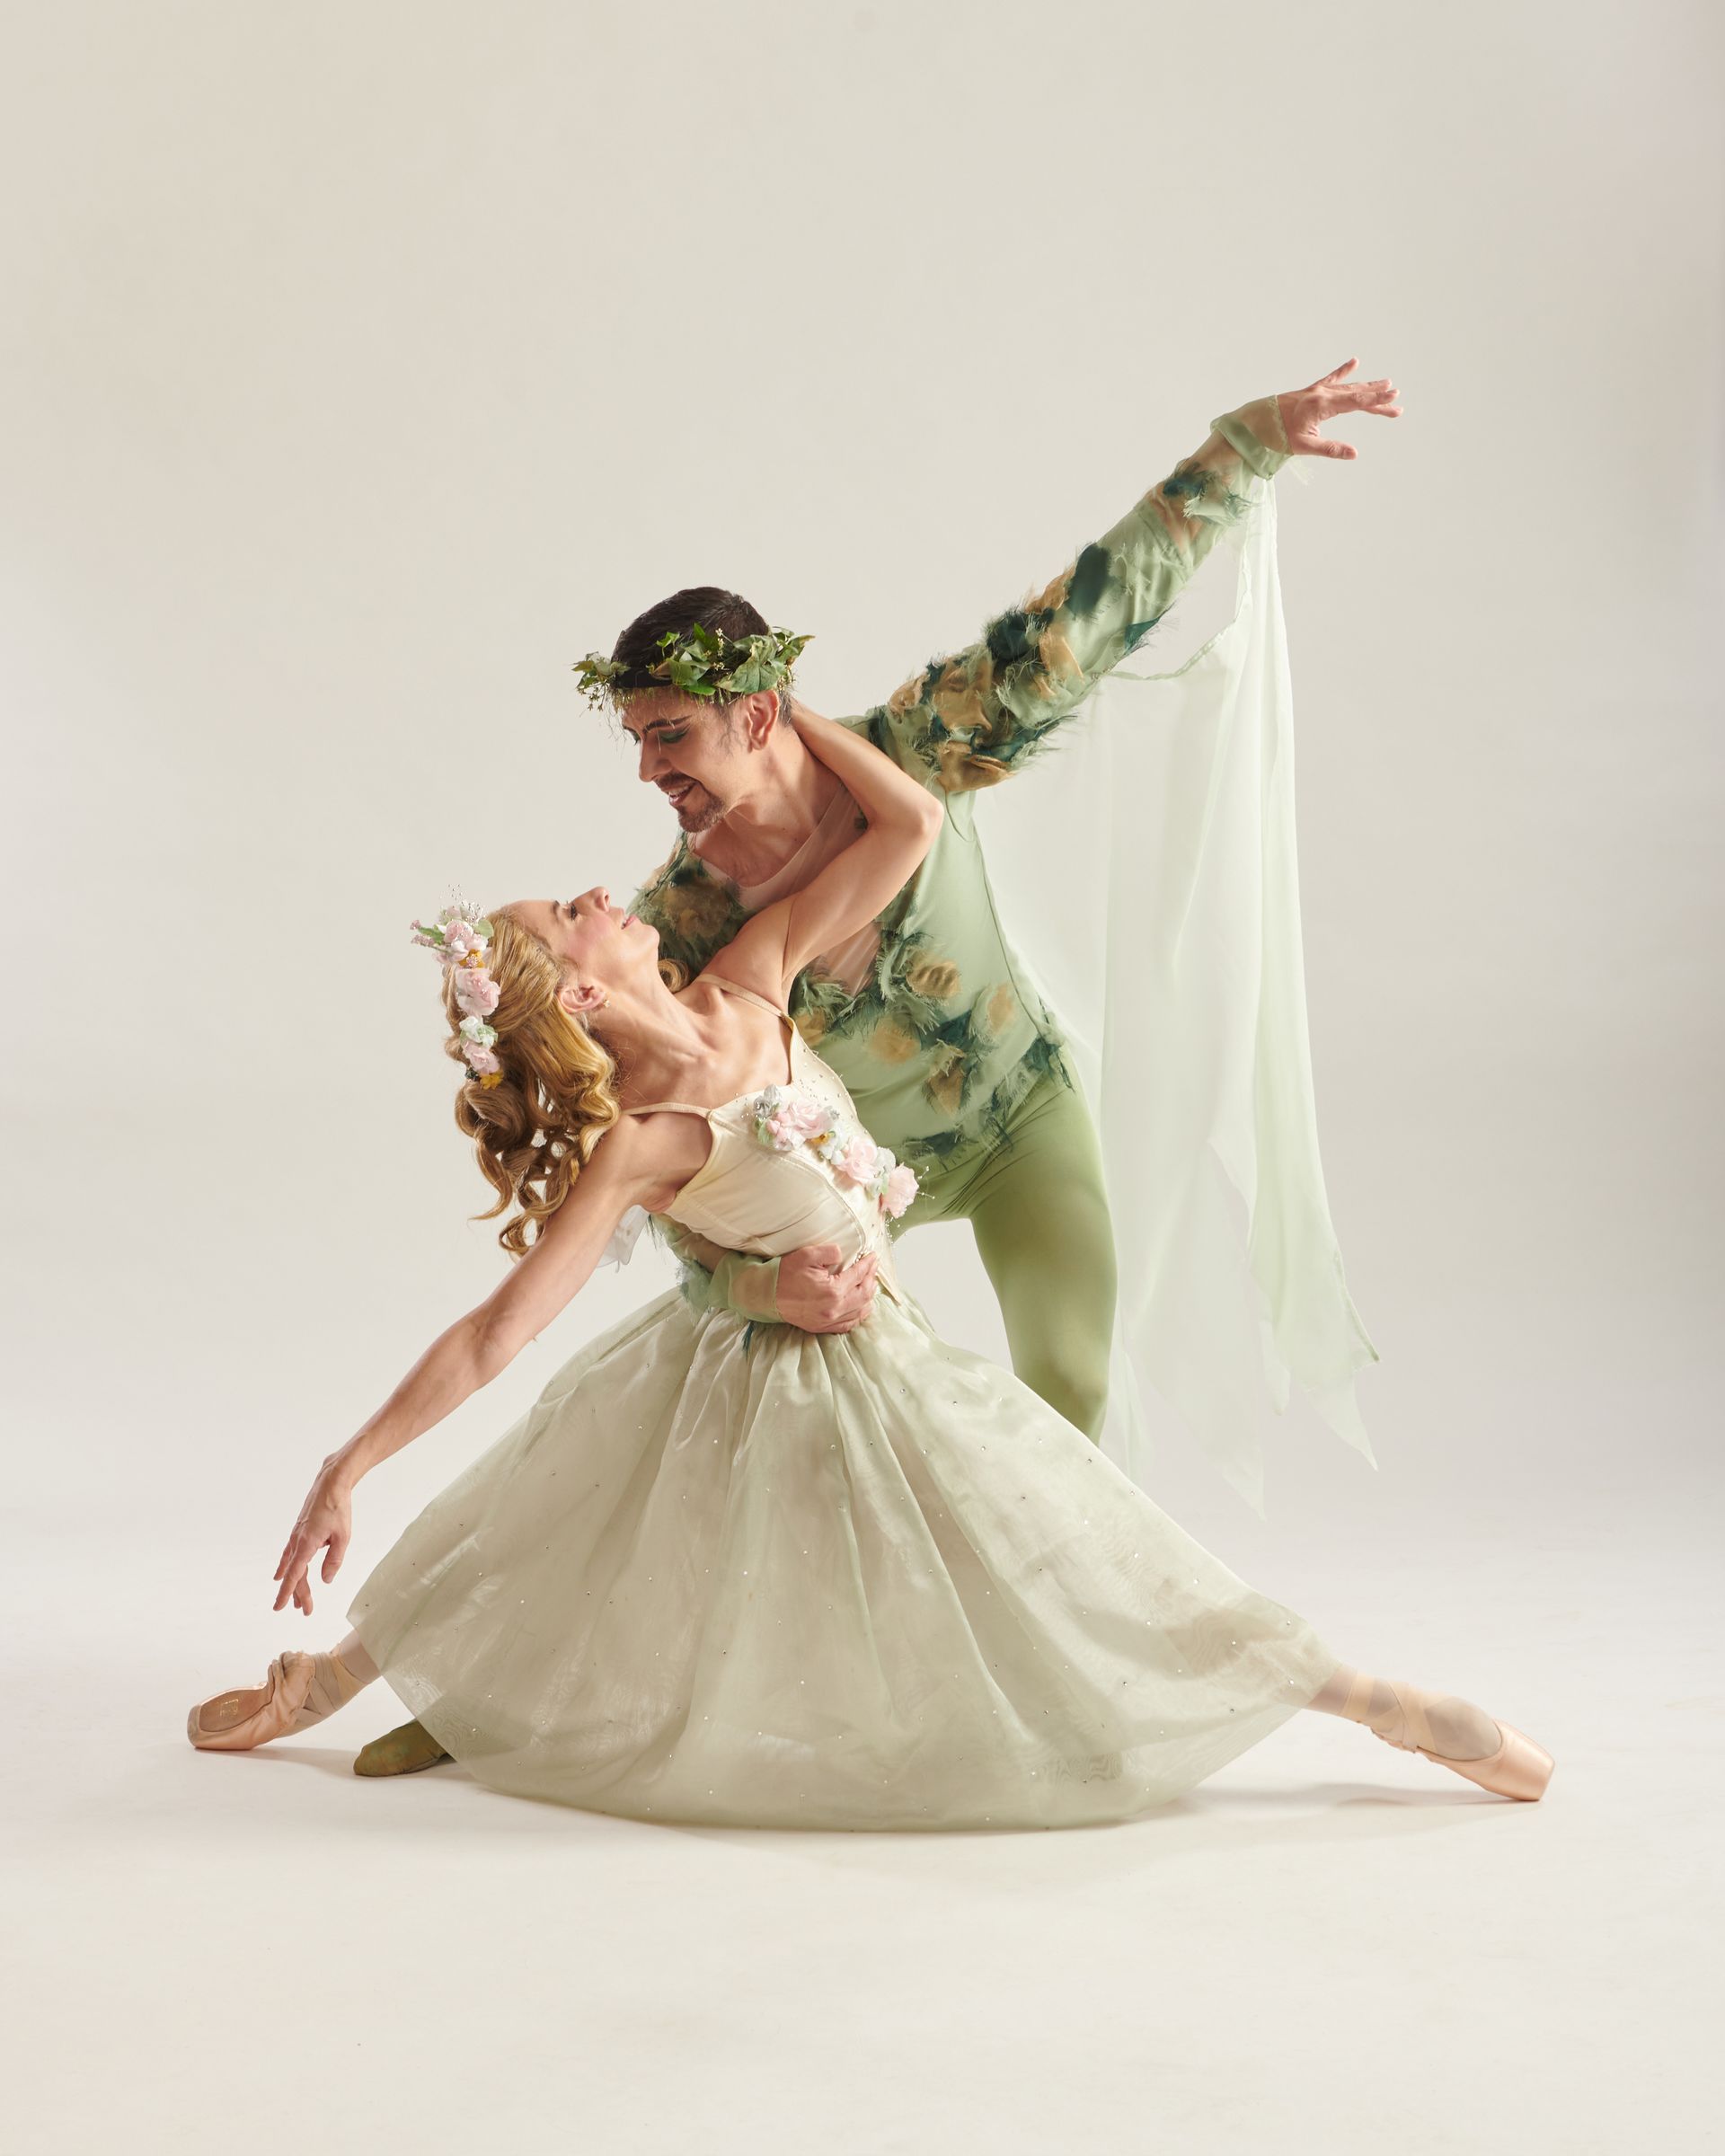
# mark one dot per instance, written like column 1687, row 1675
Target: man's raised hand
column 1329, row 397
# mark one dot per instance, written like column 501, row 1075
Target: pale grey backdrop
column 364, row 365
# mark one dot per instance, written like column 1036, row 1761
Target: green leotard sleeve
column 715, row 1279
column 975, row 719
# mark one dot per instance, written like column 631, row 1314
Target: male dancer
column 952, row 1058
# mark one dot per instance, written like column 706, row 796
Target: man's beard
column 698, row 810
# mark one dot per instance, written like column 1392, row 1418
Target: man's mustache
column 688, row 797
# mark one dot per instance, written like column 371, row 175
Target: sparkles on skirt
column 867, row 1580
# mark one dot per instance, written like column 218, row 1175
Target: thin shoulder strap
column 747, row 994
column 685, row 1107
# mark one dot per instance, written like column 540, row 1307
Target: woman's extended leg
column 300, row 1690
column 1451, row 1732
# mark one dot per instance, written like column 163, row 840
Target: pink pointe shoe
column 240, row 1721
column 1518, row 1768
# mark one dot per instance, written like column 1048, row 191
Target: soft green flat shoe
column 405, row 1751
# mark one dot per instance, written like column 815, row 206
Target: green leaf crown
column 700, row 662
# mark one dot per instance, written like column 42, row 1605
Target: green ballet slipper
column 405, row 1751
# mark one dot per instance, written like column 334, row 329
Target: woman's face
column 600, row 944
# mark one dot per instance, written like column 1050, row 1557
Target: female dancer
column 763, row 1576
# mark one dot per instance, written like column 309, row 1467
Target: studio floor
column 1331, row 1946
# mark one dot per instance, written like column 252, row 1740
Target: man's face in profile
column 695, row 752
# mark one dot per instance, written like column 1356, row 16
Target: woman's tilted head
column 524, row 989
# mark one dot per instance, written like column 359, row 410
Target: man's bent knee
column 1075, row 1388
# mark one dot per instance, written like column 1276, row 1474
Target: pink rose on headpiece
column 901, row 1188
column 856, row 1163
column 480, row 1058
column 476, row 993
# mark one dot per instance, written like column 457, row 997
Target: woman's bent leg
column 403, row 1751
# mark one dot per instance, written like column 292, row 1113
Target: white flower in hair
column 476, row 992
column 461, row 938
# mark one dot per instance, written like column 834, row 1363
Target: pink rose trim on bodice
column 786, row 1117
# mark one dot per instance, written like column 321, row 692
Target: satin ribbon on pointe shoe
column 217, row 1725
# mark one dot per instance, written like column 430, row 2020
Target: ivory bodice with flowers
column 791, row 1165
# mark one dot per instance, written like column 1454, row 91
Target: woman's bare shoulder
column 754, row 959
column 656, row 1152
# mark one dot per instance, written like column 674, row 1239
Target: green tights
column 1039, row 1208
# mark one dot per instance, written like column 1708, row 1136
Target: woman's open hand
column 325, row 1516
column 1304, row 411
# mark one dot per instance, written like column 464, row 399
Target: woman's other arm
column 635, row 1164
column 901, row 818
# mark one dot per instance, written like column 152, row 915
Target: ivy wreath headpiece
column 700, row 662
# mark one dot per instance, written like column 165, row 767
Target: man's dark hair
column 726, row 612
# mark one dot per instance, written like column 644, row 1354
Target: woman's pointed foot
column 240, row 1721
column 1453, row 1733
column 1518, row 1768
column 405, row 1751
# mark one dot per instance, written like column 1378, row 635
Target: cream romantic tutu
column 741, row 1575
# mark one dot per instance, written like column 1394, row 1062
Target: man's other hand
column 818, row 1292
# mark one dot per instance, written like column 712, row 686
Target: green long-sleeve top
column 945, row 1035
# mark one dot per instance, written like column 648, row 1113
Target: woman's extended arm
column 631, row 1165
column 901, row 817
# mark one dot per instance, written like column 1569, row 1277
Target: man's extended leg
column 1039, row 1211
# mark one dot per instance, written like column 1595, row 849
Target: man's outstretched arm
column 976, row 718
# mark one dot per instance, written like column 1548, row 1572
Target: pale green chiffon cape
column 1170, row 948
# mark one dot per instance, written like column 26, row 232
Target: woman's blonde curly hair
column 534, row 1128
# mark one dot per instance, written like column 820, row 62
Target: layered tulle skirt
column 756, row 1577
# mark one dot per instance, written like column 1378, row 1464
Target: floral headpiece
column 460, row 943
column 700, row 662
